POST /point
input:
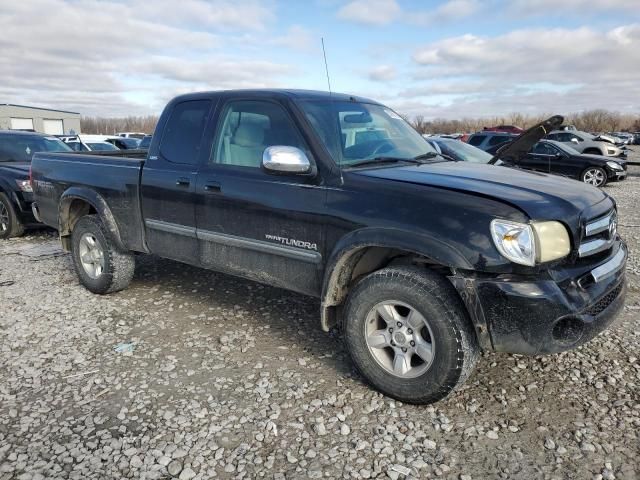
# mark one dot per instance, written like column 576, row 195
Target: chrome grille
column 599, row 234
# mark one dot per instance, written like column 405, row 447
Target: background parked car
column 138, row 135
column 91, row 143
column 504, row 128
column 557, row 158
column 124, row 143
column 584, row 142
column 16, row 151
column 145, row 142
column 460, row 151
column 490, row 141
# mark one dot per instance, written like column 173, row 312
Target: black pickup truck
column 420, row 261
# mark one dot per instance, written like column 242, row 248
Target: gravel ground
column 216, row 377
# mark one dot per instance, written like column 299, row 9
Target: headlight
column 528, row 244
column 24, row 185
column 615, row 165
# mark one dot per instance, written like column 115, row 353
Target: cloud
column 529, row 70
column 447, row 12
column 296, row 38
column 112, row 58
column 370, row 12
column 575, row 7
column 382, row 73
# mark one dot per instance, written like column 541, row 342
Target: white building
column 44, row 120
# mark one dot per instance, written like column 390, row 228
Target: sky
column 438, row 59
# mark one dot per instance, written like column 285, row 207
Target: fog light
column 568, row 331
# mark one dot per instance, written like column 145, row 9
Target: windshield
column 463, row 151
column 20, row 148
column 102, row 147
column 354, row 132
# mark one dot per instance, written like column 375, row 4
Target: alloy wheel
column 91, row 255
column 594, row 176
column 4, row 218
column 399, row 339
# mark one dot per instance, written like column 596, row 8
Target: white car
column 90, row 143
column 138, row 135
column 586, row 143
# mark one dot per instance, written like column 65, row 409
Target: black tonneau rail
column 133, row 153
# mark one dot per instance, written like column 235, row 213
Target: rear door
column 168, row 183
column 252, row 223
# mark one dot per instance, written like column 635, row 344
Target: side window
column 554, row 136
column 543, row 149
column 247, row 128
column 183, row 132
column 476, row 140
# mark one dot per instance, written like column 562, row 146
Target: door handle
column 212, row 187
column 183, row 182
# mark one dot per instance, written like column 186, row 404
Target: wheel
column 409, row 335
column 10, row 225
column 595, row 176
column 100, row 266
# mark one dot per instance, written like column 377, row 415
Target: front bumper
column 516, row 314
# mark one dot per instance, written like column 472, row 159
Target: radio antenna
column 337, row 124
column 326, row 65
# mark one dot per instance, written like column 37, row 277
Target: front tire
column 10, row 225
column 100, row 266
column 595, row 176
column 409, row 335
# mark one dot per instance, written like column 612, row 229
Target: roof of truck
column 290, row 93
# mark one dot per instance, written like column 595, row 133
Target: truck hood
column 539, row 196
column 17, row 168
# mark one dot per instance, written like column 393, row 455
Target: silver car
column 584, row 142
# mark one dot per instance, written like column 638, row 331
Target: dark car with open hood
column 419, row 261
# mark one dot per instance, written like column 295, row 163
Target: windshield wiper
column 383, row 160
column 433, row 155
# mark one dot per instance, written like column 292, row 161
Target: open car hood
column 523, row 143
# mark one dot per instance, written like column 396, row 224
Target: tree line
column 589, row 121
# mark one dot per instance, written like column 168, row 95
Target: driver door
column 252, row 223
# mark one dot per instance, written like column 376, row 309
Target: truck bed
column 114, row 179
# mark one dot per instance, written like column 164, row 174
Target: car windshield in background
column 130, row 142
column 20, row 148
column 355, row 132
column 102, row 147
column 145, row 142
column 566, row 148
column 463, row 151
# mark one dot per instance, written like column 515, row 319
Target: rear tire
column 10, row 225
column 100, row 266
column 432, row 348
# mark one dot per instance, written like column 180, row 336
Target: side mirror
column 557, row 155
column 286, row 160
column 574, row 140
